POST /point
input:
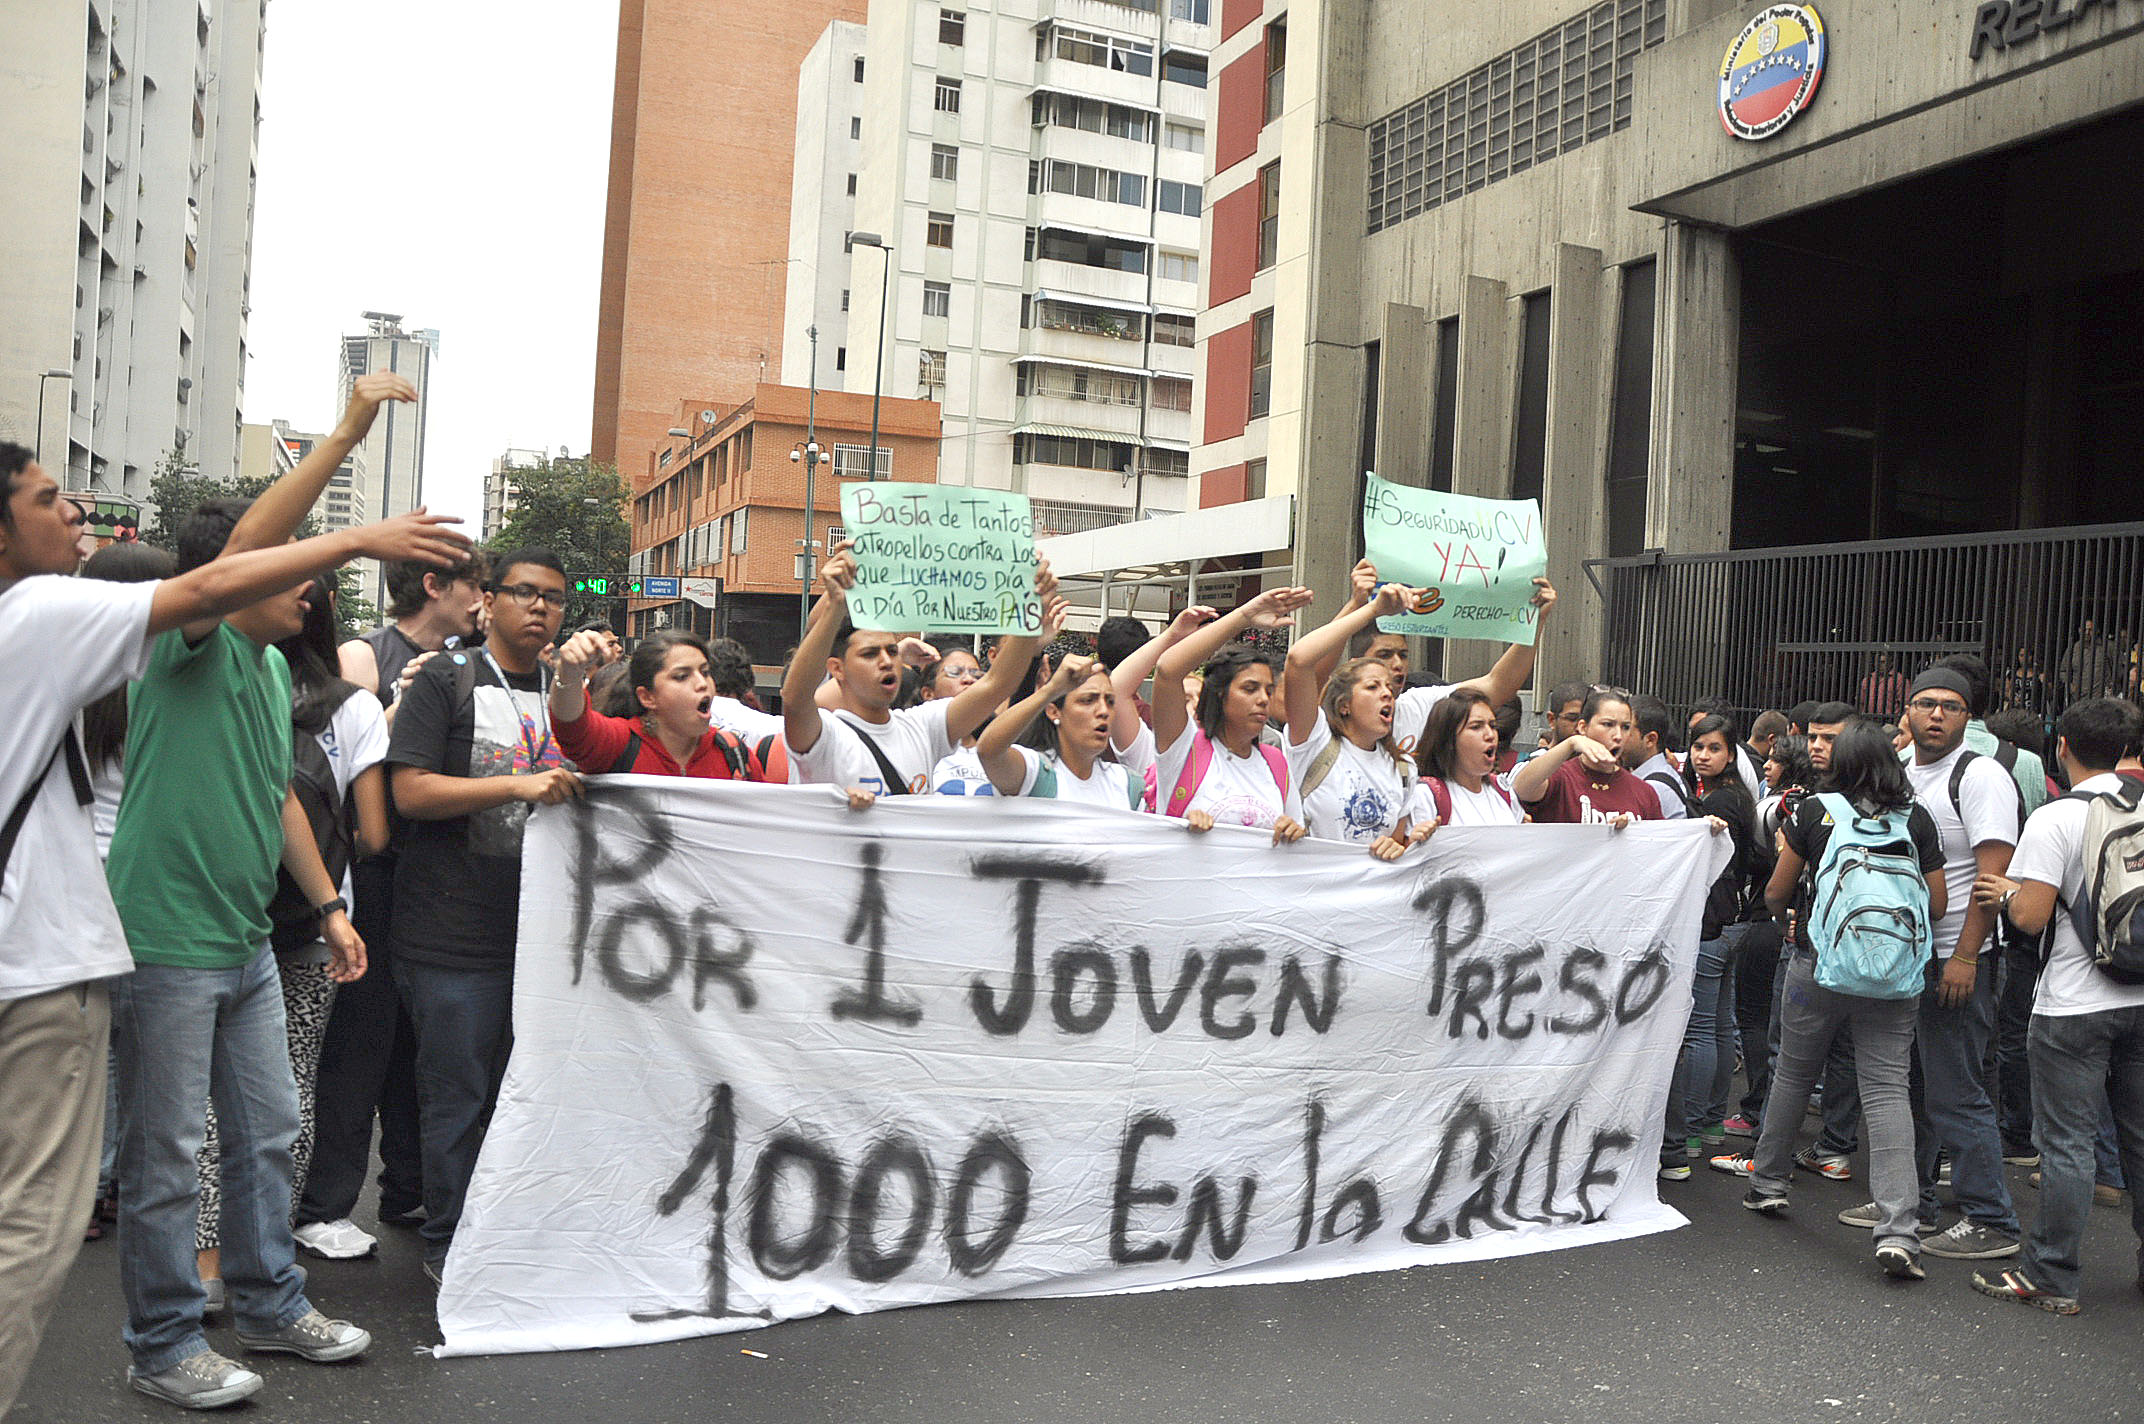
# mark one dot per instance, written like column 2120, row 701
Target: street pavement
column 1734, row 1318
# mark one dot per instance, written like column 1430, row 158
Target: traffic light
column 606, row 586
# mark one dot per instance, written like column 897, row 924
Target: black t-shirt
column 458, row 882
column 1810, row 831
column 392, row 651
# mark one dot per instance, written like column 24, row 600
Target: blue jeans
column 1951, row 1108
column 2108, row 1149
column 465, row 1029
column 1811, row 1019
column 2079, row 1060
column 184, row 1037
column 1708, row 1043
column 2013, row 1071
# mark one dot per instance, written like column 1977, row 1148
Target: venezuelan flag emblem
column 1771, row 70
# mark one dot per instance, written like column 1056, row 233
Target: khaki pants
column 52, row 1049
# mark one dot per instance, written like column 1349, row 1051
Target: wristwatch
column 331, row 907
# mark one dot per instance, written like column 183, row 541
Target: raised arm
column 995, row 749
column 1502, row 682
column 581, row 655
column 1361, row 588
column 975, row 702
column 1134, row 670
column 1321, row 649
column 807, row 666
column 1272, row 609
column 200, row 596
column 1530, row 781
column 282, row 507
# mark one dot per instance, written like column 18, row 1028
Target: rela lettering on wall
column 1039, row 1049
column 2000, row 25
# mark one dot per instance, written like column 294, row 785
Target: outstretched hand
column 418, row 536
column 371, row 391
column 1275, row 608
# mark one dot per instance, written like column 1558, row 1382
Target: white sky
column 447, row 160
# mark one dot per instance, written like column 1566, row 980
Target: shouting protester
column 1582, row 778
column 1214, row 769
column 1069, row 723
column 673, row 736
column 1351, row 777
column 1459, row 784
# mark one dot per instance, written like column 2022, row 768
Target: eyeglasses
column 527, row 594
column 1935, row 704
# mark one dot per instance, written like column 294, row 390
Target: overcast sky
column 447, row 160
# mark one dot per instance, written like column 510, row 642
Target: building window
column 937, row 299
column 1195, row 11
column 1090, row 250
column 1268, row 216
column 938, row 230
column 1157, row 461
column 1175, row 330
column 945, row 162
column 852, row 185
column 738, row 520
column 1181, row 68
column 1090, row 47
column 1276, row 66
column 1529, row 445
column 1254, row 479
column 853, row 462
column 946, row 98
column 1178, row 267
column 1444, row 423
column 859, row 69
column 952, row 27
column 841, row 358
column 1082, row 180
column 1564, row 87
column 844, row 298
column 1067, row 111
column 1171, row 394
column 1630, row 426
column 1074, row 451
column 1173, row 197
column 1261, row 363
column 930, row 370
column 1090, row 321
column 856, row 126
column 1188, row 138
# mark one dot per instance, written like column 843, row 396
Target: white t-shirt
column 1469, row 808
column 1236, row 791
column 1108, row 783
column 107, row 783
column 1410, row 714
column 1363, row 795
column 1752, row 774
column 746, row 723
column 960, row 773
column 1988, row 798
column 65, row 642
column 2051, row 851
column 914, row 739
column 1671, row 805
column 355, row 740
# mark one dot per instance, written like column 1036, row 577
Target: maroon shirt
column 1578, row 796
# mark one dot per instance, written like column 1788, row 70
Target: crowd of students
column 312, row 857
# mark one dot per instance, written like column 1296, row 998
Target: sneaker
column 203, row 1381
column 218, row 1298
column 2020, row 1157
column 1824, row 1164
column 1868, row 1216
column 1968, row 1240
column 342, row 1240
column 2012, row 1285
column 1674, row 1172
column 1693, row 1147
column 1739, row 1126
column 1712, row 1136
column 2102, row 1195
column 1754, row 1200
column 1900, row 1264
column 314, row 1337
column 1738, row 1163
column 435, row 1272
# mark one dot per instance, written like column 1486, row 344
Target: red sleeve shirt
column 1575, row 795
column 595, row 742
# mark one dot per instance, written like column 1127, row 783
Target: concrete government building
column 1868, row 384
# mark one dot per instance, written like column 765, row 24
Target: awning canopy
column 1082, row 299
column 1257, row 526
column 1036, row 358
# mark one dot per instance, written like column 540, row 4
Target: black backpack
column 293, row 918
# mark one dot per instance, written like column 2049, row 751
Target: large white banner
column 774, row 1057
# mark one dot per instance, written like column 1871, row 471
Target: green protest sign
column 941, row 559
column 1475, row 560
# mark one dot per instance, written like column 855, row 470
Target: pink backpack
column 1196, row 766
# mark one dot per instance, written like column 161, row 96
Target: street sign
column 658, row 587
column 703, row 591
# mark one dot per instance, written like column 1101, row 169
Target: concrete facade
column 390, row 459
column 130, row 166
column 268, row 452
column 1615, row 209
column 822, row 204
column 501, row 494
column 1036, row 170
column 696, row 232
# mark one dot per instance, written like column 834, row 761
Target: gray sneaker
column 313, row 1336
column 203, row 1381
column 1970, row 1241
column 1868, row 1216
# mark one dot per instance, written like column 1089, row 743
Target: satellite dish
column 707, row 417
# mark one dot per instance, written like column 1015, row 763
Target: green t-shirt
column 200, row 830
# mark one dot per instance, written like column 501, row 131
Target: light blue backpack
column 1868, row 906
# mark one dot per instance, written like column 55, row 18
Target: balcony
column 1077, row 279
column 1085, row 348
column 1106, row 16
column 1126, row 221
column 1063, row 414
column 1070, row 76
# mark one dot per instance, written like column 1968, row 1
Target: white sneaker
column 342, row 1240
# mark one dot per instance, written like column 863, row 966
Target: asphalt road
column 1734, row 1318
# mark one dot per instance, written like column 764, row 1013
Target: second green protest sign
column 1475, row 560
column 941, row 558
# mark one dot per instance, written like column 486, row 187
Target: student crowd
column 1894, row 936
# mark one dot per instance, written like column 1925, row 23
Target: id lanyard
column 529, row 743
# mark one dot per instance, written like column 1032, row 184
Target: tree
column 177, row 489
column 576, row 509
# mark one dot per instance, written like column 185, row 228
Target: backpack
column 1201, row 760
column 1441, row 794
column 1868, row 906
column 1046, row 784
column 1674, row 784
column 293, row 920
column 2109, row 916
column 1328, row 757
column 1966, row 758
column 745, row 763
column 70, row 747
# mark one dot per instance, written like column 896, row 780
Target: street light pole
column 41, row 379
column 878, row 386
column 808, row 455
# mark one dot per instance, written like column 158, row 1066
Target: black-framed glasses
column 1932, row 704
column 526, row 595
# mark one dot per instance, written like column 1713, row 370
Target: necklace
column 535, row 750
